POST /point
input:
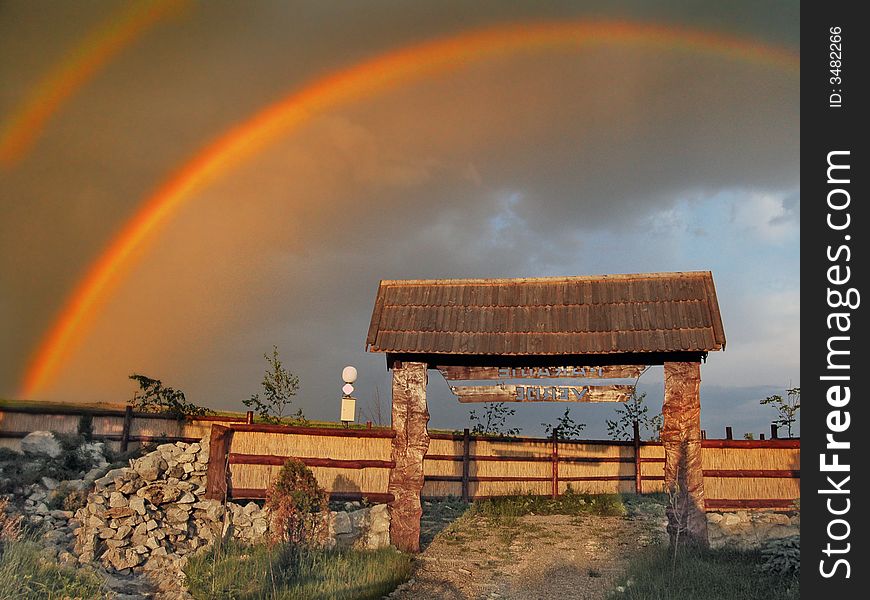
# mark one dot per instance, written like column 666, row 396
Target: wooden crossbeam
column 452, row 373
column 543, row 393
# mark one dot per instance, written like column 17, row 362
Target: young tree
column 279, row 387
column 568, row 428
column 787, row 407
column 153, row 396
column 493, row 421
column 635, row 410
column 373, row 410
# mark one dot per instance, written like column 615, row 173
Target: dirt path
column 529, row 558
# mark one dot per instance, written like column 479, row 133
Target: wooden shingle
column 605, row 314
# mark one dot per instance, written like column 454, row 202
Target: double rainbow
column 363, row 80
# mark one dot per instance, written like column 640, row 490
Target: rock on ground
column 41, row 442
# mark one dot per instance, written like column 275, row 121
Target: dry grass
column 24, row 575
column 259, row 572
column 703, row 575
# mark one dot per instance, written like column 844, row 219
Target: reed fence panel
column 352, row 463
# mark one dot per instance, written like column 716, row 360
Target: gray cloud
column 541, row 164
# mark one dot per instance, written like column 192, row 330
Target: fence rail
column 355, row 463
column 727, row 461
column 120, row 426
column 481, row 467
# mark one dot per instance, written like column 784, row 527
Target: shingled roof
column 601, row 314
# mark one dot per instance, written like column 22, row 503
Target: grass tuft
column 702, row 575
column 242, row 572
column 508, row 508
column 25, row 575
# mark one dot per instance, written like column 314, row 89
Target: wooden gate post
column 125, row 430
column 218, row 453
column 410, row 419
column 681, row 438
column 638, row 486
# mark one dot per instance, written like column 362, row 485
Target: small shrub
column 493, row 421
column 567, row 428
column 299, row 506
column 117, row 459
column 10, row 524
column 635, row 410
column 787, row 407
column 67, row 498
column 71, row 463
column 11, row 470
column 782, row 556
column 9, row 455
column 86, row 427
column 75, row 500
column 23, row 470
column 153, row 396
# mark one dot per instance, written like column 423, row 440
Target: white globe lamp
column 348, row 374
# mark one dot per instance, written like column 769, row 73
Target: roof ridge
column 535, row 332
column 556, row 279
column 566, row 304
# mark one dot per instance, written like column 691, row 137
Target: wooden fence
column 739, row 474
column 355, row 463
column 121, row 428
column 349, row 463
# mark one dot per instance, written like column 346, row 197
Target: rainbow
column 96, row 50
column 346, row 86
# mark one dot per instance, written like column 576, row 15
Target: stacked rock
column 152, row 509
column 155, row 510
column 750, row 529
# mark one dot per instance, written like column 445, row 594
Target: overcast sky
column 610, row 158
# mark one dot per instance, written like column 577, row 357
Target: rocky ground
column 134, row 526
column 529, row 558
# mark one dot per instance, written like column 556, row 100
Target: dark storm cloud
column 503, row 170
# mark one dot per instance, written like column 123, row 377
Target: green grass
column 505, row 512
column 25, row 576
column 572, row 503
column 247, row 572
column 702, row 575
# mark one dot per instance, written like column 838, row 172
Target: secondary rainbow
column 62, row 82
column 363, row 80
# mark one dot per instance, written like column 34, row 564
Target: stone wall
column 150, row 516
column 750, row 529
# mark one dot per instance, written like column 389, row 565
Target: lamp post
column 348, row 402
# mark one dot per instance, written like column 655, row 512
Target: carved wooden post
column 410, row 417
column 681, row 437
